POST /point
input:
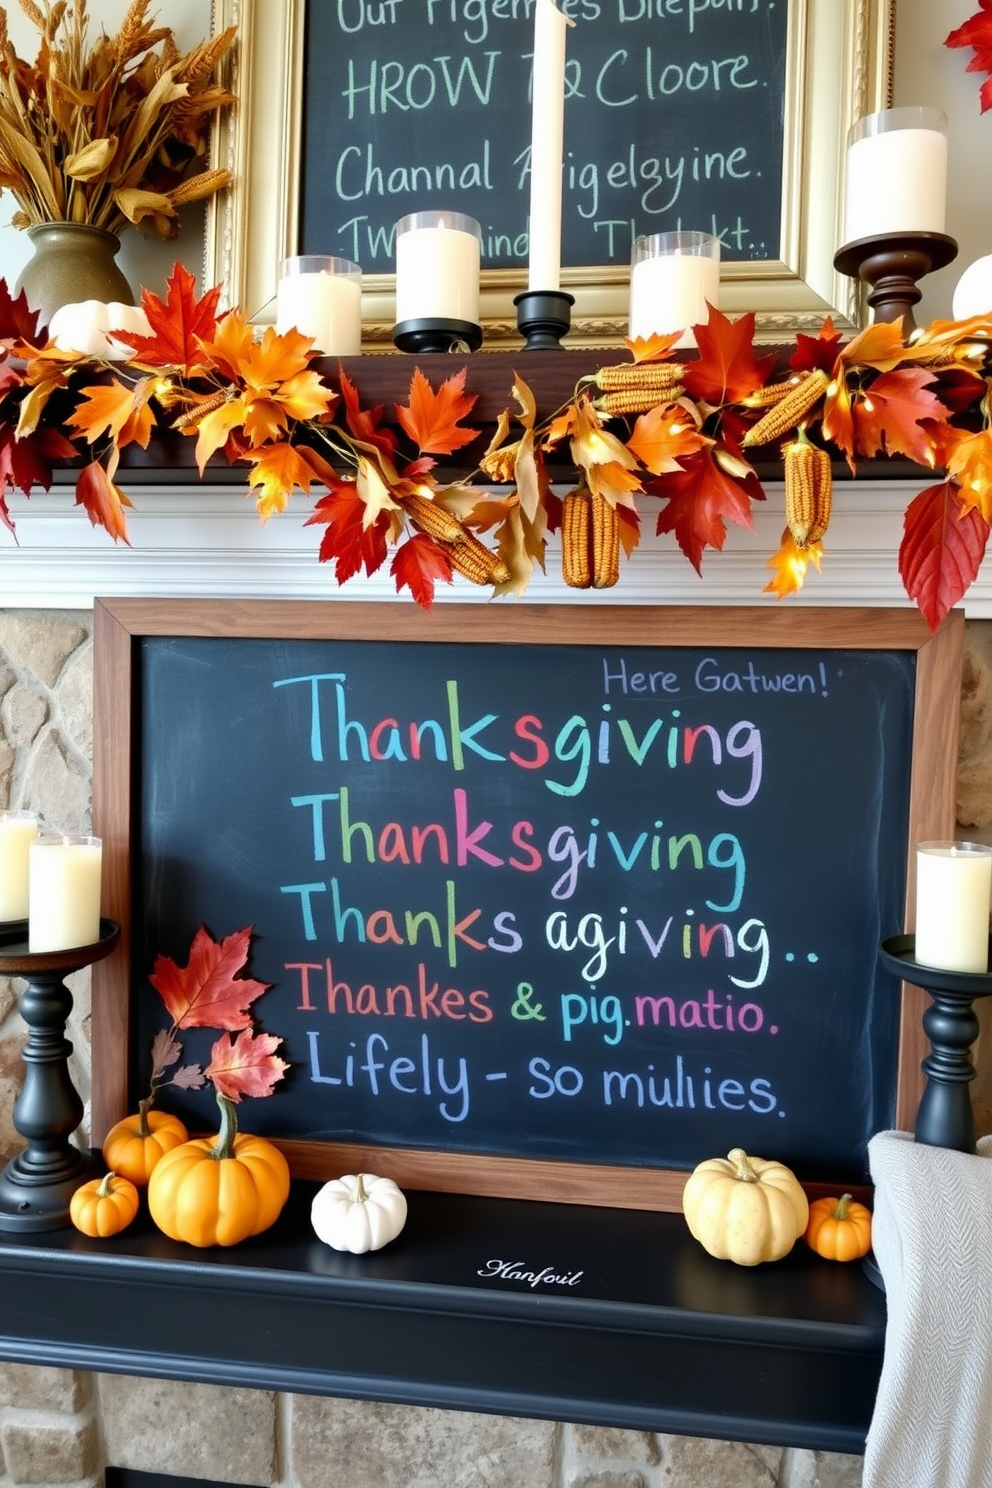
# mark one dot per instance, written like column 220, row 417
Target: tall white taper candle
column 546, row 146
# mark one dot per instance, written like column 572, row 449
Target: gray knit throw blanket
column 932, row 1237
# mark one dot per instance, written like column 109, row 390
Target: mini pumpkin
column 745, row 1209
column 134, row 1145
column 88, row 326
column 839, row 1229
column 104, row 1206
column 358, row 1212
column 219, row 1191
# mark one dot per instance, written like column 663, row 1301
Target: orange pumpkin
column 104, row 1206
column 134, row 1145
column 217, row 1192
column 839, row 1229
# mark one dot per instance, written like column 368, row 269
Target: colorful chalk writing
column 674, row 117
column 608, row 904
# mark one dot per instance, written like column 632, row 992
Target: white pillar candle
column 64, row 893
column 546, row 146
column 673, row 277
column 953, row 885
column 438, row 258
column 321, row 297
column 18, row 829
column 896, row 174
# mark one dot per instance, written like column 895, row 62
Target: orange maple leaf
column 727, row 369
column 114, row 409
column 663, row 435
column 245, row 1065
column 103, row 501
column 790, row 564
column 431, row 419
column 654, row 348
column 278, row 470
column 180, row 323
column 208, row 993
column 968, row 458
column 887, row 415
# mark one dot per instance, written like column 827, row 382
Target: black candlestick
column 437, row 334
column 37, row 1184
column 945, row 1117
column 543, row 317
column 893, row 264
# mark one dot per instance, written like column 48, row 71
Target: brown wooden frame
column 119, row 623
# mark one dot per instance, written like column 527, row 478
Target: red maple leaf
column 701, row 498
column 976, row 32
column 208, row 992
column 431, row 418
column 417, row 565
column 179, row 323
column 727, row 369
column 18, row 322
column 246, row 1065
column 941, row 550
column 814, row 352
column 887, row 417
column 364, row 422
column 346, row 542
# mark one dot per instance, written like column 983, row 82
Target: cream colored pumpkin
column 358, row 1212
column 88, row 326
column 745, row 1209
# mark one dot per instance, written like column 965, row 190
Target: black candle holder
column 893, row 264
column 945, row 1117
column 543, row 317
column 437, row 334
column 37, row 1184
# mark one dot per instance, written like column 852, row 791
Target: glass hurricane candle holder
column 64, row 892
column 438, row 259
column 321, row 297
column 673, row 277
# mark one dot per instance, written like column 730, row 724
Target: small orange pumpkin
column 104, row 1206
column 217, row 1192
column 134, row 1145
column 839, row 1229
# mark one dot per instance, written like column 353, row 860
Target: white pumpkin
column 358, row 1212
column 87, row 326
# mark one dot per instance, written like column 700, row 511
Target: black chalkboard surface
column 610, row 901
column 674, row 117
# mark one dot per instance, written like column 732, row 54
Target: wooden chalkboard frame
column 839, row 69
column 121, row 624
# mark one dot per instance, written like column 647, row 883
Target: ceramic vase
column 72, row 261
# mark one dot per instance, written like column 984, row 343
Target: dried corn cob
column 788, row 411
column 771, row 393
column 808, row 490
column 622, row 376
column 633, row 400
column 192, row 416
column 475, row 562
column 576, row 527
column 605, row 543
column 429, row 517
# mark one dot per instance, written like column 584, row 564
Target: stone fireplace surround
column 62, row 1426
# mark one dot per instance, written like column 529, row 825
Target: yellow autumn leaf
column 273, row 360
column 114, row 409
column 790, row 564
column 231, row 344
column 278, row 470
column 305, row 396
column 213, row 429
column 594, row 445
column 373, row 491
column 662, row 434
column 265, row 420
column 92, row 160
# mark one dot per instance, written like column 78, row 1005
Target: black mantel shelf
column 654, row 1335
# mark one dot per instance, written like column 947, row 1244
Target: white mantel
column 202, row 540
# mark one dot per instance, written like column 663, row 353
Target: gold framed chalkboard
column 552, row 902
column 835, row 67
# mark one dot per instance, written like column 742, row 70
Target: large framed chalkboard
column 548, row 900
column 728, row 117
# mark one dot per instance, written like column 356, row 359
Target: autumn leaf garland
column 687, row 441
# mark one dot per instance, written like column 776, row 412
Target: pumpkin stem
column 742, row 1163
column 144, row 1130
column 224, row 1145
column 841, row 1211
column 106, row 1184
column 358, row 1193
